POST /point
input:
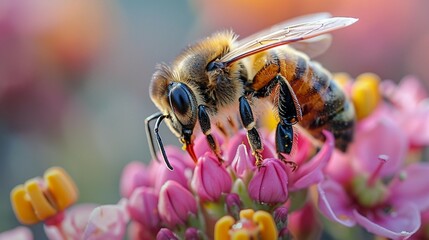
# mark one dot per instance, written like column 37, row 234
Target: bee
column 212, row 79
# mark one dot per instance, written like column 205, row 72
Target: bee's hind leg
column 284, row 142
column 289, row 113
column 204, row 120
column 249, row 123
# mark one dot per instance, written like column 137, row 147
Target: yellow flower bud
column 39, row 199
column 365, row 94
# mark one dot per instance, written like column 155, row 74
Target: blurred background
column 74, row 74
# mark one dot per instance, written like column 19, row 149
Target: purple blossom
column 210, row 178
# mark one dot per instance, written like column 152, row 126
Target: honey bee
column 212, row 79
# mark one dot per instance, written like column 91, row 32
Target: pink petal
column 305, row 223
column 312, row 172
column 412, row 188
column 303, row 149
column 107, row 222
column 335, row 204
column 133, row 175
column 18, row 233
column 340, row 167
column 417, row 127
column 407, row 94
column 202, row 146
column 400, row 224
column 241, row 138
column 74, row 223
column 384, row 138
column 242, row 163
column 163, row 174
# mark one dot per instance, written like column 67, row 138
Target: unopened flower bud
column 280, row 215
column 210, row 178
column 166, row 234
column 41, row 199
column 143, row 207
column 269, row 184
column 192, row 234
column 176, row 203
column 233, row 204
column 242, row 163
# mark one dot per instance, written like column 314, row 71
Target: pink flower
column 269, row 184
column 18, row 233
column 379, row 135
column 107, row 222
column 143, row 207
column 134, row 175
column 175, row 204
column 241, row 138
column 365, row 192
column 74, row 223
column 310, row 170
column 409, row 107
column 210, row 178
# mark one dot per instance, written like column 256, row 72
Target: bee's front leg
column 204, row 120
column 289, row 113
column 252, row 134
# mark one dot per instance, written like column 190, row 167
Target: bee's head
column 178, row 105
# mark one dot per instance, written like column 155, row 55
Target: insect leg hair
column 252, row 134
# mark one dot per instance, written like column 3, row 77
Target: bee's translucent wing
column 315, row 46
column 285, row 35
column 289, row 22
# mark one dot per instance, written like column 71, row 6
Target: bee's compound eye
column 181, row 100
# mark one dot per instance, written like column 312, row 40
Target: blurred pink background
column 74, row 74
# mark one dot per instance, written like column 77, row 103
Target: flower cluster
column 378, row 184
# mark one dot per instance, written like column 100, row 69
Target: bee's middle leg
column 204, row 121
column 289, row 113
column 252, row 134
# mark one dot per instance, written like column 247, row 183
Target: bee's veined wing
column 289, row 22
column 285, row 35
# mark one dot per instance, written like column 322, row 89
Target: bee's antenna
column 159, row 141
column 149, row 134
